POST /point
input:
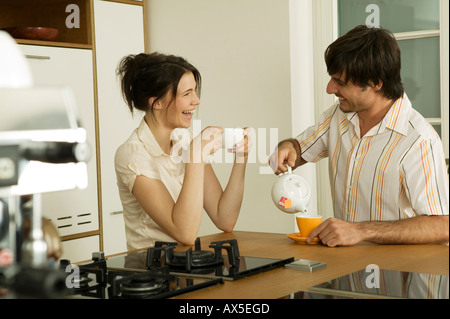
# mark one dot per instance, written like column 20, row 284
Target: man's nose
column 331, row 88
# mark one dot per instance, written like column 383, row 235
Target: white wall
column 302, row 81
column 242, row 48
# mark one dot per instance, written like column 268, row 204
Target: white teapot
column 291, row 193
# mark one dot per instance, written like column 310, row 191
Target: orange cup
column 307, row 223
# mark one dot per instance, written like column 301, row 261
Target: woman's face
column 179, row 111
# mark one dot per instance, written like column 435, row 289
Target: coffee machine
column 43, row 149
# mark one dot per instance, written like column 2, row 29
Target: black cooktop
column 198, row 262
column 96, row 280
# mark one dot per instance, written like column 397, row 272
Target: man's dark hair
column 367, row 56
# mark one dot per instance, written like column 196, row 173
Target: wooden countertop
column 281, row 282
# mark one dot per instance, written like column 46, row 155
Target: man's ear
column 378, row 86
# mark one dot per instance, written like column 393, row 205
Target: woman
column 163, row 198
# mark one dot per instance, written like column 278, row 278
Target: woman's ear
column 152, row 104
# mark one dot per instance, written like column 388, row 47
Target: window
column 416, row 25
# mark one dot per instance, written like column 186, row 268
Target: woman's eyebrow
column 187, row 90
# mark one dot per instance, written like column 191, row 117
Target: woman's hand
column 243, row 147
column 206, row 143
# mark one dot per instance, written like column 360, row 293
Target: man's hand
column 335, row 232
column 414, row 230
column 287, row 153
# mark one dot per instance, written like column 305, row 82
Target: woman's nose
column 195, row 100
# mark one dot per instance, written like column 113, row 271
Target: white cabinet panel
column 80, row 249
column 119, row 31
column 73, row 211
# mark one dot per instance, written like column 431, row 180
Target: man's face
column 352, row 97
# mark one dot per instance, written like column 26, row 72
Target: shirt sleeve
column 425, row 178
column 132, row 161
column 314, row 140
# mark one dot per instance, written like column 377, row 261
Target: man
column 387, row 169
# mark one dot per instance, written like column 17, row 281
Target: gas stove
column 153, row 284
column 198, row 262
column 96, row 280
column 164, row 272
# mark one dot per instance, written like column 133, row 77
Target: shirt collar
column 149, row 141
column 396, row 118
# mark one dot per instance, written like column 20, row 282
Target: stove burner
column 150, row 284
column 199, row 258
column 190, row 259
column 153, row 284
column 143, row 287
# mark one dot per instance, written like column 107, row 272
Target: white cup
column 232, row 136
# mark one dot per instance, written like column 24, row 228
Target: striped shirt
column 397, row 284
column 397, row 170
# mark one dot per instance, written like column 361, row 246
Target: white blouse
column 142, row 155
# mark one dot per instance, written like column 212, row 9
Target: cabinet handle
column 118, row 212
column 37, row 57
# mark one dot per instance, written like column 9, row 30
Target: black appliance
column 95, row 280
column 154, row 284
column 164, row 272
column 224, row 261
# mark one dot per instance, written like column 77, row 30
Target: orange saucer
column 302, row 240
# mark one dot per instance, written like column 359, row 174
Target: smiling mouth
column 188, row 115
column 341, row 99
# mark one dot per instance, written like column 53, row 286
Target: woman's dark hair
column 367, row 55
column 152, row 75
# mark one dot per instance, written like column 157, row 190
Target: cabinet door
column 119, row 31
column 72, row 211
column 80, row 249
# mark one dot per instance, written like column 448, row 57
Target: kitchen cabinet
column 72, row 211
column 85, row 57
column 114, row 41
column 80, row 249
column 54, row 14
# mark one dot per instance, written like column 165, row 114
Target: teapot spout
column 301, row 208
